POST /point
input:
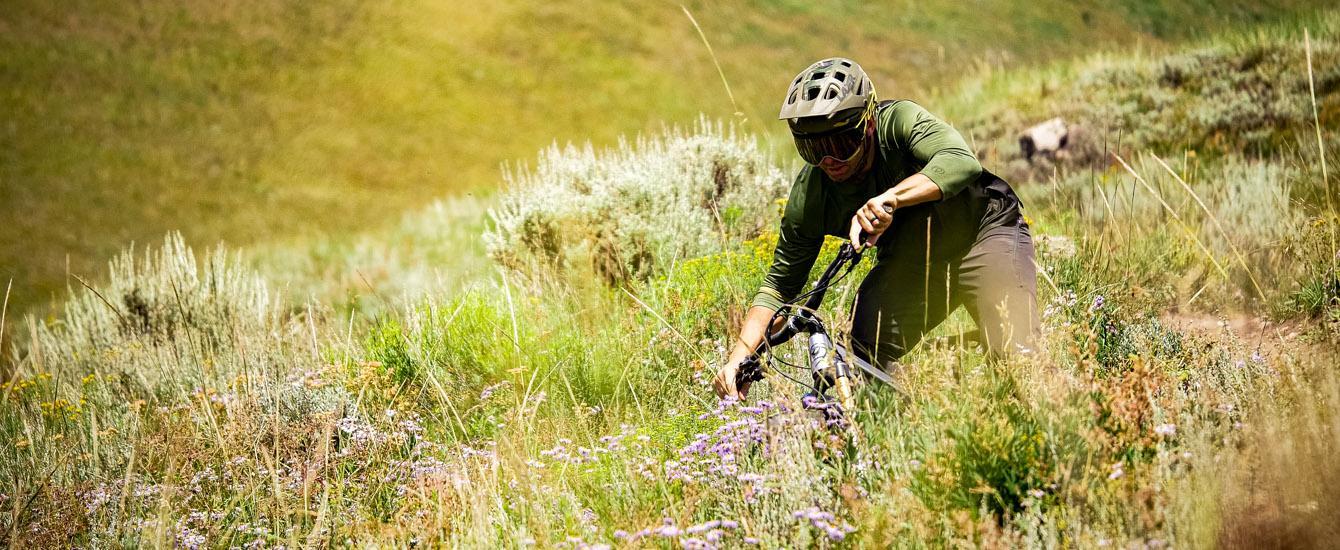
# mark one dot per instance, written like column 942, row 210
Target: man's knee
column 1011, row 327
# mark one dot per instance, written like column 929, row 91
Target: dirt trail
column 1256, row 333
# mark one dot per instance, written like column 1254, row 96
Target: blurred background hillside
column 435, row 323
column 249, row 121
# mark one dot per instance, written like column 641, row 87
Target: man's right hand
column 724, row 382
column 751, row 337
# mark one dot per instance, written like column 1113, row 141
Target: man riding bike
column 956, row 234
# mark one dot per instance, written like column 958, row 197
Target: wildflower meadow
column 533, row 369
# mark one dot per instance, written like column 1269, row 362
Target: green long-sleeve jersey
column 911, row 140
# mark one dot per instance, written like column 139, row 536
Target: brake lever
column 750, row 371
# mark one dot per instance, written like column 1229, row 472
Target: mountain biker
column 956, row 236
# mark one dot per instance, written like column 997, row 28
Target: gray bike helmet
column 827, row 95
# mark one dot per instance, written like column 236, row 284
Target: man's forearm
column 873, row 217
column 752, row 331
column 916, row 189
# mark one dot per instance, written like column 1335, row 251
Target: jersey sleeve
column 799, row 240
column 947, row 159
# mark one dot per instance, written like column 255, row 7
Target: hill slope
column 186, row 403
column 245, row 120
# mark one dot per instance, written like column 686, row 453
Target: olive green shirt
column 910, row 140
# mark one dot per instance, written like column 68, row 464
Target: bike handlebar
column 750, row 370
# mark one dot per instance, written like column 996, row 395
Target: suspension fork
column 831, row 370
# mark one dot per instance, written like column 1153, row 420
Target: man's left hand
column 873, row 219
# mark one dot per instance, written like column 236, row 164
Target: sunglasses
column 843, row 146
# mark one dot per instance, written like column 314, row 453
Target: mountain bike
column 830, row 363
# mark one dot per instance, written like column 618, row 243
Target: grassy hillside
column 1184, row 393
column 244, row 121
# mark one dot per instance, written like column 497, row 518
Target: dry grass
column 206, row 401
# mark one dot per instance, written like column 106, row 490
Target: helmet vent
column 832, row 93
column 842, row 77
column 846, row 64
column 811, row 94
column 816, row 76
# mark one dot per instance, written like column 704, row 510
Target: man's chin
column 840, row 175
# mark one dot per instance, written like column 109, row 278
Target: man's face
column 840, row 170
column 840, row 152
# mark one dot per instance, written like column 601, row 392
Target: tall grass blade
column 1180, row 223
column 1316, row 121
column 722, row 73
column 1220, row 226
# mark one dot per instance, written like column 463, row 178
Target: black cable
column 772, row 358
column 835, row 280
column 794, row 380
column 852, row 262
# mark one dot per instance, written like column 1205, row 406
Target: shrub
column 1316, row 292
column 388, row 347
column 1249, row 96
column 161, row 303
column 1000, row 451
column 631, row 211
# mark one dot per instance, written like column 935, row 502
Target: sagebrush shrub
column 160, row 301
column 1247, row 97
column 631, row 211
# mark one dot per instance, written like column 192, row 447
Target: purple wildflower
column 824, row 521
column 1098, row 302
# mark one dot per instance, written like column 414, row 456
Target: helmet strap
column 867, row 159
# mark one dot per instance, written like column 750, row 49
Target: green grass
column 255, row 121
column 288, row 396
